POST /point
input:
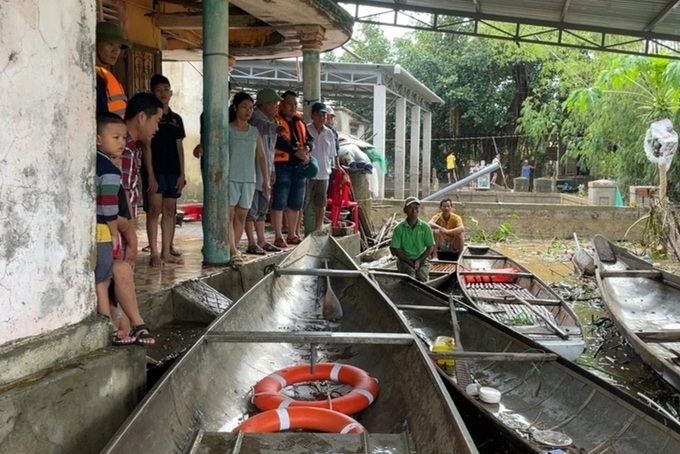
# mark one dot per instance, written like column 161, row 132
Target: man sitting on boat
column 448, row 228
column 413, row 242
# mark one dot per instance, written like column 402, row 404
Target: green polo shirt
column 412, row 241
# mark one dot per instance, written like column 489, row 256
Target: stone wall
column 533, row 221
column 47, row 165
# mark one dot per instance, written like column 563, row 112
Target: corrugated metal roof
column 652, row 20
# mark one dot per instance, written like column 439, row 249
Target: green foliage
column 521, row 319
column 503, row 232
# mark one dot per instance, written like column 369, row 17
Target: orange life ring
column 487, row 276
column 308, row 418
column 267, row 392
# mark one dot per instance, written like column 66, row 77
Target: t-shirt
column 453, row 222
column 164, row 152
column 108, row 184
column 324, row 150
column 412, row 241
column 242, row 148
column 526, row 171
column 129, row 167
column 451, row 161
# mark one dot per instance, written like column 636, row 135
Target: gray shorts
column 317, row 193
column 258, row 210
column 104, row 268
column 422, row 274
column 241, row 194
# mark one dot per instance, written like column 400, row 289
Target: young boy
column 111, row 134
column 163, row 176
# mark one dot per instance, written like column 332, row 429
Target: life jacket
column 115, row 93
column 299, row 139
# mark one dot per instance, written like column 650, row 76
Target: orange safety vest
column 299, row 140
column 114, row 91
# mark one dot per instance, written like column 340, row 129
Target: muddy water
column 607, row 355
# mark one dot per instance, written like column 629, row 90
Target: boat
column 547, row 402
column 277, row 326
column 510, row 294
column 644, row 304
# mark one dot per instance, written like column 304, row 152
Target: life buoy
column 267, row 392
column 308, row 418
column 487, row 276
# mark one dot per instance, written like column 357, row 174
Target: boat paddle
column 332, row 309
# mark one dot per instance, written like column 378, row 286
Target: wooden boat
column 541, row 392
column 276, row 324
column 644, row 304
column 509, row 293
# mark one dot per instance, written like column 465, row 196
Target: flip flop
column 255, row 249
column 270, row 247
column 294, row 240
column 142, row 335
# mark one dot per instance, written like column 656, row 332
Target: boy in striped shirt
column 111, row 135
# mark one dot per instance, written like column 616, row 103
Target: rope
column 270, row 269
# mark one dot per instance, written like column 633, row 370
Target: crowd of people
column 277, row 164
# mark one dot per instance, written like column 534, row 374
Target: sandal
column 120, row 338
column 142, row 334
column 270, row 247
column 255, row 249
column 294, row 240
column 237, row 259
column 280, row 243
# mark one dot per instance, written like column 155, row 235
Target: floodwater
column 607, row 354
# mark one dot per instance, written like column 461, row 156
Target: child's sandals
column 120, row 338
column 142, row 335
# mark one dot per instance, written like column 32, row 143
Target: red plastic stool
column 335, row 213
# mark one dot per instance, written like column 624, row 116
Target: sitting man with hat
column 413, row 242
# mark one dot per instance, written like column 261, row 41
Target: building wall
column 47, row 152
column 186, row 80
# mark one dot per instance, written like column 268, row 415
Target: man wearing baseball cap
column 413, row 242
column 110, row 92
column 267, row 102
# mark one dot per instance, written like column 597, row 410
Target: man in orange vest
column 110, row 92
column 293, row 147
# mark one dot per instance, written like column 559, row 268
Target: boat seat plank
column 539, row 329
column 411, row 307
column 287, row 442
column 495, row 273
column 654, row 274
column 320, row 337
column 319, row 272
column 512, row 300
column 670, row 335
column 495, row 356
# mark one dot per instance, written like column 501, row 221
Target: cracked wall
column 47, row 150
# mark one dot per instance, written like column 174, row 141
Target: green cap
column 109, row 31
column 267, row 95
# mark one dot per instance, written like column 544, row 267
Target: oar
column 548, row 322
column 332, row 310
column 462, row 370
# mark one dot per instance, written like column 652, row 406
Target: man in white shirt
column 326, row 155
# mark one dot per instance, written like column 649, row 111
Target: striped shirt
column 108, row 183
column 130, row 164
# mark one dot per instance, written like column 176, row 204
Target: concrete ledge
column 28, row 356
column 73, row 408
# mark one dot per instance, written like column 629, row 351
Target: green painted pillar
column 215, row 136
column 311, row 37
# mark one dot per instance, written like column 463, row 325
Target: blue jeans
column 289, row 189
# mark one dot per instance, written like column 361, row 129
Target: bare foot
column 169, row 258
column 156, row 262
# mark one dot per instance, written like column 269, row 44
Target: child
column 163, row 177
column 245, row 147
column 111, row 134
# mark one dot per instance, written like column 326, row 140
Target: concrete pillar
column 379, row 125
column 215, row 140
column 399, row 148
column 427, row 151
column 414, row 164
column 311, row 37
